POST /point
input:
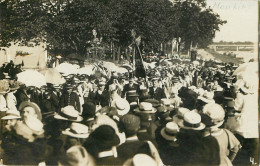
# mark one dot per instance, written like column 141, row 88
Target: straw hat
column 77, row 156
column 11, row 114
column 215, row 114
column 207, row 97
column 145, row 107
column 169, row 131
column 192, row 121
column 69, row 113
column 180, row 114
column 140, row 160
column 77, row 130
column 121, row 105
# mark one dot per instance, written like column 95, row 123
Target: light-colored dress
column 248, row 118
column 11, row 101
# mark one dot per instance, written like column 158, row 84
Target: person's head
column 30, row 109
column 155, row 83
column 101, row 86
column 131, row 81
column 213, row 115
column 130, row 124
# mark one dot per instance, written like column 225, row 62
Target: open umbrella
column 121, row 70
column 67, row 68
column 127, row 66
column 109, row 65
column 89, row 70
column 53, row 76
column 31, row 78
column 250, row 68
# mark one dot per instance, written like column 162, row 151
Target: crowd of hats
column 125, row 116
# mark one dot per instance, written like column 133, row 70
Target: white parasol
column 88, row 69
column 67, row 68
column 31, row 78
column 250, row 68
column 53, row 76
column 121, row 70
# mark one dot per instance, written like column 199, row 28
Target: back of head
column 130, row 124
column 213, row 115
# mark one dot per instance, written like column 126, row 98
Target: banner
column 139, row 65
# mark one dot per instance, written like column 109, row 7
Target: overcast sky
column 241, row 17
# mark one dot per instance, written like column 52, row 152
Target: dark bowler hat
column 105, row 137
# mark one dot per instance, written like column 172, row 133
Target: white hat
column 166, row 102
column 145, row 107
column 69, row 113
column 215, row 112
column 180, row 114
column 77, row 156
column 207, row 97
column 121, row 105
column 11, row 114
column 192, row 120
column 77, row 130
column 169, row 131
column 140, row 160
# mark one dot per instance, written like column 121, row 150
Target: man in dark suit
column 130, row 125
column 21, row 95
column 102, row 96
column 70, row 98
column 156, row 92
column 130, row 86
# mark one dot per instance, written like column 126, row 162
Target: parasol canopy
column 31, row 78
column 249, row 68
column 67, row 68
column 89, row 70
column 121, row 70
column 53, row 76
column 109, row 65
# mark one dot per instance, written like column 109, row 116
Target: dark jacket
column 18, row 151
column 128, row 88
column 21, row 96
column 129, row 148
column 158, row 94
column 102, row 99
column 70, row 99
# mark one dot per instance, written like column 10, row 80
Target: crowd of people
column 180, row 114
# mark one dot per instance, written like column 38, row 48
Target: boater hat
column 145, row 107
column 11, row 114
column 121, row 105
column 69, row 113
column 140, row 160
column 169, row 131
column 191, row 121
column 77, row 130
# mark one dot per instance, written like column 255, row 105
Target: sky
column 241, row 17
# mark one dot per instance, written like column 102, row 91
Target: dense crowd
column 179, row 114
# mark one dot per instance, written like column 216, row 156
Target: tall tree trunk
column 113, row 52
column 127, row 54
column 118, row 53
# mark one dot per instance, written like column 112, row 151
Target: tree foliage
column 66, row 25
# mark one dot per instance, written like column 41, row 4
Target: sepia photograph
column 129, row 82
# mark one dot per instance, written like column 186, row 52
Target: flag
column 138, row 40
column 139, row 65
